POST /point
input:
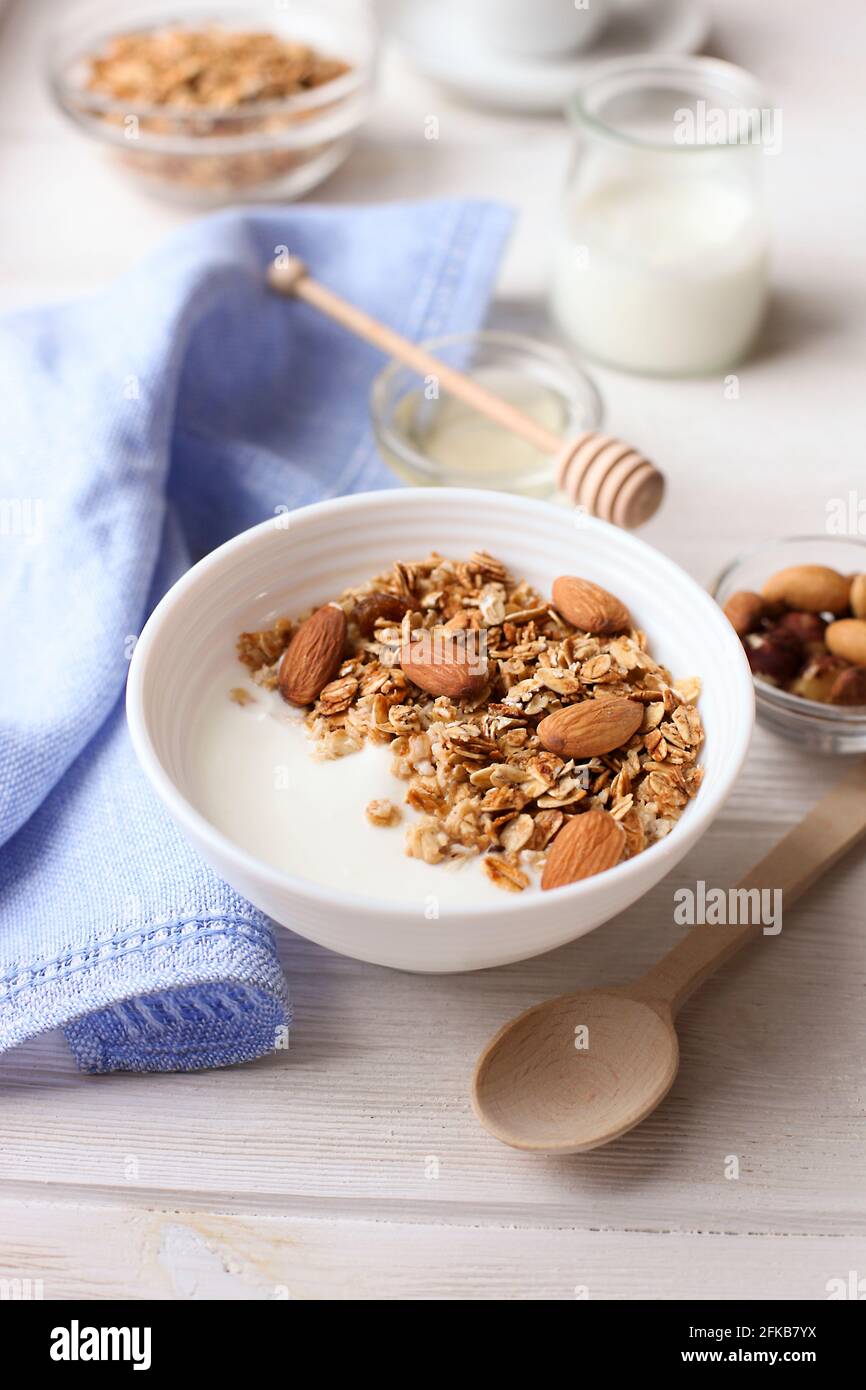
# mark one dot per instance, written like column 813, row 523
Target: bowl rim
column 201, row 830
column 796, row 707
column 88, row 108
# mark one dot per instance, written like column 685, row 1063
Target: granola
column 475, row 769
column 212, row 84
column 382, row 812
column 216, row 69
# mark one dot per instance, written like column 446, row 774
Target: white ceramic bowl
column 275, row 569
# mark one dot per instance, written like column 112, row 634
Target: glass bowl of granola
column 440, row 729
column 799, row 607
column 215, row 102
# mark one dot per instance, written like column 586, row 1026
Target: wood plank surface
column 95, row 1252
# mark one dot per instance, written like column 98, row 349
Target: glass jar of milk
column 661, row 262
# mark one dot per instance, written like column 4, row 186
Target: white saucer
column 435, row 40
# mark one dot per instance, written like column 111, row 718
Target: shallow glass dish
column 433, row 440
column 207, row 157
column 825, row 728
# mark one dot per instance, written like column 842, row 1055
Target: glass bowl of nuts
column 211, row 103
column 798, row 606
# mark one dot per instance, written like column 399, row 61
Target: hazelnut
column 808, row 628
column 744, row 610
column 849, row 687
column 775, row 656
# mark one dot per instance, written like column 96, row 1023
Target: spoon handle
column 792, row 866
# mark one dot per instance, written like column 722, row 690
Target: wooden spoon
column 535, row 1088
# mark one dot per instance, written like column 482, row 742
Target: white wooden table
column 351, row 1166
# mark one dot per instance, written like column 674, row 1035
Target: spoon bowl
column 576, row 1071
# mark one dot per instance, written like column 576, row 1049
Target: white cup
column 536, row 28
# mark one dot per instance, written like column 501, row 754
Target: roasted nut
column 808, row 628
column 816, row 682
column 312, row 658
column 587, row 844
column 744, row 610
column 774, row 656
column 588, row 606
column 443, row 664
column 372, row 607
column 857, row 596
column 849, row 687
column 591, row 728
column 847, row 638
column 813, row 588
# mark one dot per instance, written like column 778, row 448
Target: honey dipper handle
column 812, row 847
column 602, row 475
column 291, row 278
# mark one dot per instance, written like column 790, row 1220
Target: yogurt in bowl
column 255, row 778
column 437, row 918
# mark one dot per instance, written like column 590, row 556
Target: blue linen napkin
column 142, row 428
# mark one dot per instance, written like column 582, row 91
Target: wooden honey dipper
column 603, row 475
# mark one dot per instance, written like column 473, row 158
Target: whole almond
column 587, row 844
column 744, row 610
column 443, row 664
column 312, row 658
column 589, row 607
column 811, row 588
column 847, row 638
column 590, row 728
column 857, row 596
